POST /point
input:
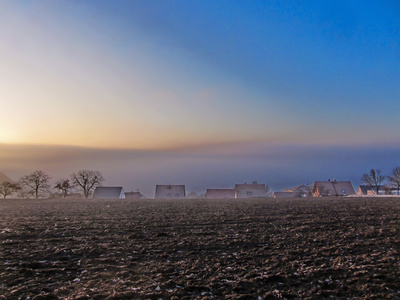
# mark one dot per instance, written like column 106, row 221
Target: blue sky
column 163, row 77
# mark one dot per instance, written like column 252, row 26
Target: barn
column 109, row 192
column 170, row 191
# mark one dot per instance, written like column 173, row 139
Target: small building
column 220, row 193
column 301, row 191
column 170, row 191
column 382, row 190
column 332, row 188
column 109, row 192
column 250, row 190
column 134, row 195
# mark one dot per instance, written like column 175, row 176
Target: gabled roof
column 299, row 188
column 250, row 190
column 108, row 192
column 170, row 191
column 301, row 191
column 333, row 188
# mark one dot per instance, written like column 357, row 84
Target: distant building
column 107, row 192
column 170, row 191
column 134, row 195
column 220, row 193
column 332, row 188
column 382, row 190
column 250, row 190
column 301, row 191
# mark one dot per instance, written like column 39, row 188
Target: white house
column 109, row 192
column 170, row 191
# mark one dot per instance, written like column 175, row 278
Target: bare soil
column 200, row 249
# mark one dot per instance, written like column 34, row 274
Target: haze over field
column 202, row 93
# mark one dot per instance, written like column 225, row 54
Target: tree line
column 85, row 181
column 38, row 182
column 375, row 181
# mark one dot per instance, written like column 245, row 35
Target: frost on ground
column 200, row 249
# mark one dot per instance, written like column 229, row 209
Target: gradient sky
column 180, row 87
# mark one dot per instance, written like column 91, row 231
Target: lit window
column 249, row 193
column 343, row 191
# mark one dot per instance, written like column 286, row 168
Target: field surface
column 200, row 249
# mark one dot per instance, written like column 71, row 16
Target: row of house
column 333, row 188
column 239, row 191
column 253, row 190
column 115, row 192
column 319, row 189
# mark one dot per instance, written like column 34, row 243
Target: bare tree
column 373, row 179
column 64, row 186
column 394, row 179
column 8, row 188
column 36, row 182
column 87, row 180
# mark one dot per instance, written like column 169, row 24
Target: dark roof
column 299, row 188
column 333, row 188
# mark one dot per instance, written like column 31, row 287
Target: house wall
column 250, row 190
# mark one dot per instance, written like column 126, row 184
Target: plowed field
column 200, row 249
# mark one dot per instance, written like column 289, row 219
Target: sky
column 202, row 93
